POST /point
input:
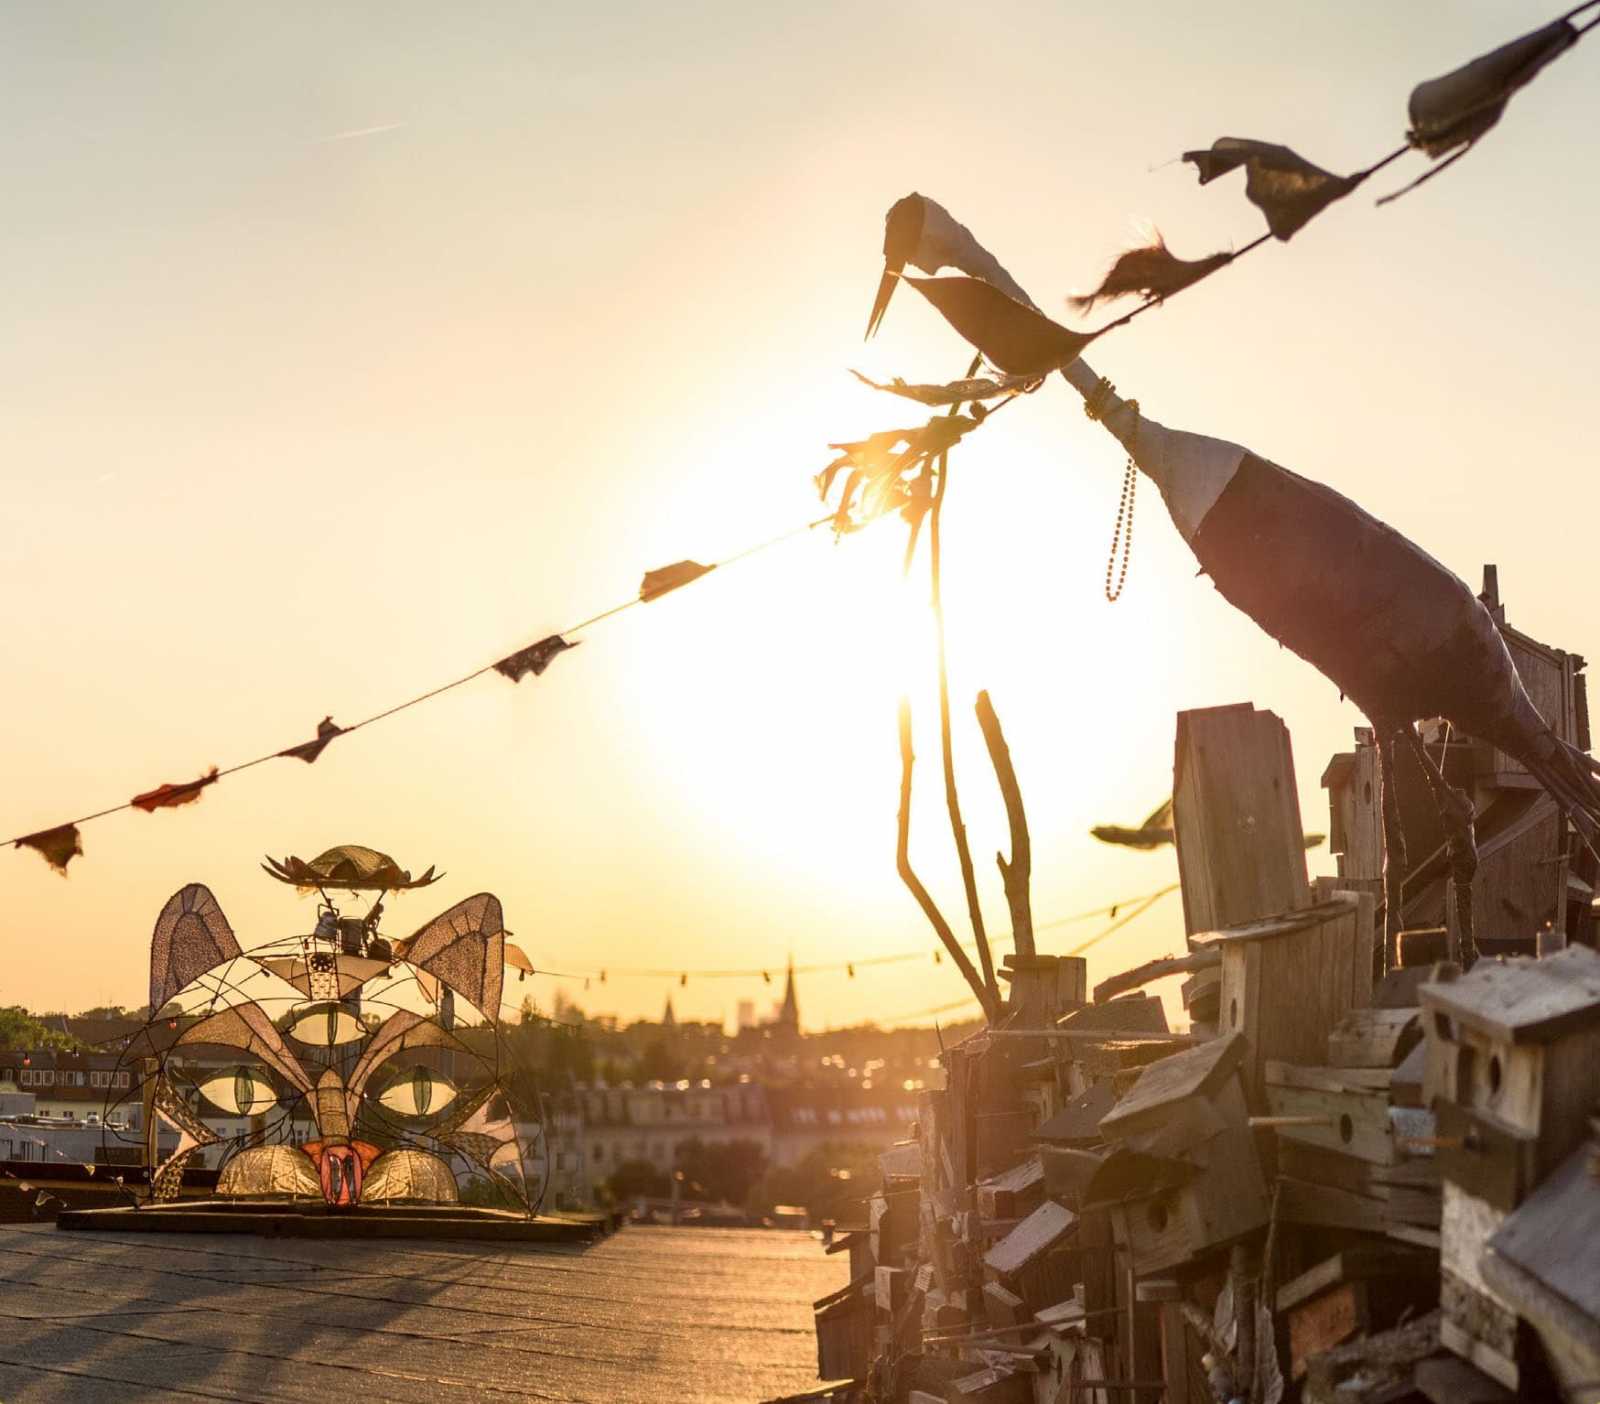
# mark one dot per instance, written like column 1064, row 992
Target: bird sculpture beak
column 880, row 304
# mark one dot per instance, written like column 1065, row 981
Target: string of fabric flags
column 892, row 471
column 62, row 843
column 1121, row 913
column 1449, row 115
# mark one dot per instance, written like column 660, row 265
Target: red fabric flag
column 170, row 796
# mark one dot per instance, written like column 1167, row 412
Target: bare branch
column 986, row 997
column 969, row 881
column 1018, row 873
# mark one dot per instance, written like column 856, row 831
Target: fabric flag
column 58, row 846
column 1282, row 184
column 657, row 583
column 535, row 658
column 956, row 392
column 921, row 232
column 885, row 471
column 1153, row 271
column 1013, row 336
column 1459, row 107
column 170, row 796
column 191, row 936
column 308, row 751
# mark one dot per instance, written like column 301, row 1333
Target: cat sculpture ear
column 191, row 937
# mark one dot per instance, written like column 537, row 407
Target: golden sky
column 348, row 348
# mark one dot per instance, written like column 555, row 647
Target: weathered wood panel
column 1236, row 817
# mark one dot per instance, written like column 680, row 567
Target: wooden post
column 1236, row 818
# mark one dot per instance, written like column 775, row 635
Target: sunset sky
column 348, row 348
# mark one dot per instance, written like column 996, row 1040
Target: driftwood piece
column 986, row 996
column 1017, row 873
column 1205, row 959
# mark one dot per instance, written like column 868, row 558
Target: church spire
column 789, row 1012
column 668, row 1019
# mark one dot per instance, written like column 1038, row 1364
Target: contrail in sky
column 355, row 132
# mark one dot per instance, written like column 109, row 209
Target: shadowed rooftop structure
column 648, row 1314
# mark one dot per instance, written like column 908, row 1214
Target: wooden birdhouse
column 1182, row 1177
column 1511, row 1056
column 1288, row 980
column 1513, row 1045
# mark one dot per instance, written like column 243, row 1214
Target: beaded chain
column 1094, row 405
column 1130, row 480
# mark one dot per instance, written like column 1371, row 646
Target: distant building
column 805, row 1118
column 619, row 1124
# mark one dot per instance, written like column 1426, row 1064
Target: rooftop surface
column 647, row 1314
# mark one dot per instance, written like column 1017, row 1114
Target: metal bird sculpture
column 921, row 232
column 1400, row 635
column 1156, row 831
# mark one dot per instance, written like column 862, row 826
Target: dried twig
column 986, row 997
column 1016, row 874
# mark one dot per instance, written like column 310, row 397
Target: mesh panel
column 191, row 937
column 409, row 1174
column 247, row 1026
column 270, row 1170
column 333, row 1115
column 325, row 976
column 465, row 947
column 402, row 1029
column 193, row 1135
column 481, row 1130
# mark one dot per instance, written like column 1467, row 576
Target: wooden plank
column 1362, row 1263
column 1520, row 1001
column 1033, row 1237
column 1302, row 1203
column 1325, row 1321
column 1284, row 923
column 1352, row 1123
column 1374, row 1038
column 1286, row 992
column 1236, row 817
column 1275, row 1072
